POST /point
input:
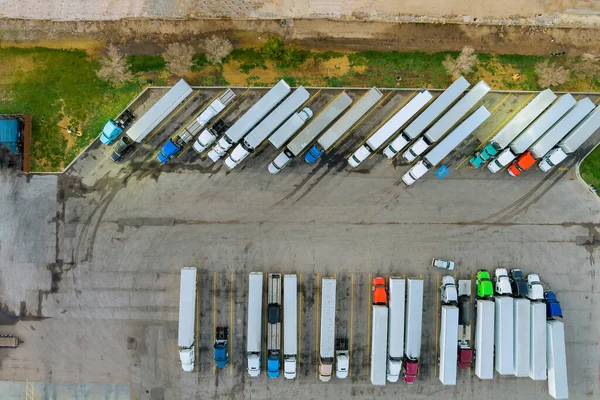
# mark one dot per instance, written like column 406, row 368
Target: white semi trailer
column 290, row 326
column 558, row 385
column 537, row 354
column 397, row 298
column 484, row 339
column 254, row 333
column 503, row 336
column 327, row 339
column 187, row 319
column 379, row 344
column 412, row 329
column 448, row 344
column 522, row 339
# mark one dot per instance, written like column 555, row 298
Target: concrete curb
column 578, row 174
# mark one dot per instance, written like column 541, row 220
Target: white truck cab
column 342, row 364
column 253, row 365
column 359, row 156
column 449, row 294
column 415, row 150
column 205, row 139
column 552, row 158
column 415, row 173
column 501, row 161
column 502, row 282
column 393, row 148
column 237, row 156
column 535, row 290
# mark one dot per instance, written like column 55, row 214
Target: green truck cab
column 482, row 156
column 484, row 284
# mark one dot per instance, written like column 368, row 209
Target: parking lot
column 91, row 260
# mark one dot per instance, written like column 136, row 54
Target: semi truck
column 537, row 353
column 342, row 358
column 189, row 132
column 448, row 344
column 558, row 385
column 397, row 298
column 290, row 127
column 446, row 122
column 244, row 124
column 327, row 338
column 274, row 325
column 572, row 141
column 379, row 331
column 465, row 352
column 343, row 125
column 551, row 137
column 290, row 326
column 254, row 333
column 9, row 341
column 431, row 113
column 187, row 318
column 513, row 128
column 484, row 339
column 390, row 127
column 412, row 329
column 522, row 340
column 503, row 337
column 113, row 128
column 159, row 111
column 443, row 148
column 532, row 133
column 308, row 134
column 267, row 126
column 221, row 355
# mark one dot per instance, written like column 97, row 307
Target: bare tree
column 179, row 58
column 113, row 67
column 551, row 74
column 217, row 48
column 463, row 64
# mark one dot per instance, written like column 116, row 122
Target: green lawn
column 590, row 169
column 60, row 90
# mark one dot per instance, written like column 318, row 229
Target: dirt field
column 345, row 9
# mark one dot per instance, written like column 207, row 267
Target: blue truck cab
column 169, row 150
column 221, row 355
column 553, row 308
column 313, row 154
column 110, row 132
column 273, row 365
column 482, row 156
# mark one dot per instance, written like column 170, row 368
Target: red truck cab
column 410, row 369
column 523, row 163
column 379, row 292
column 465, row 356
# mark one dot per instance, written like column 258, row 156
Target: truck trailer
column 412, row 329
column 159, row 111
column 274, row 325
column 397, row 298
column 431, row 113
column 521, row 337
column 327, row 338
column 446, row 122
column 290, row 127
column 343, row 125
column 513, row 128
column 379, row 344
column 392, row 125
column 533, row 132
column 443, row 148
column 484, row 339
column 551, row 137
column 246, row 122
column 448, row 344
column 537, row 353
column 308, row 134
column 290, row 326
column 187, row 318
column 558, row 385
column 465, row 351
column 503, row 337
column 572, row 141
column 267, row 126
column 254, row 333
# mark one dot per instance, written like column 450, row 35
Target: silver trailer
column 249, row 120
column 379, row 344
column 558, row 385
column 351, row 117
column 327, row 338
column 537, row 354
column 526, row 116
column 503, row 336
column 308, row 134
column 274, row 325
column 448, row 344
column 187, row 318
column 414, row 318
column 397, row 298
column 290, row 127
column 254, row 332
column 484, row 339
column 290, row 326
column 542, row 124
column 159, row 111
column 561, row 128
column 521, row 338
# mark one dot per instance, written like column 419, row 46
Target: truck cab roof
column 535, row 290
column 168, row 151
column 484, row 284
column 110, row 132
column 502, row 281
column 379, row 292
